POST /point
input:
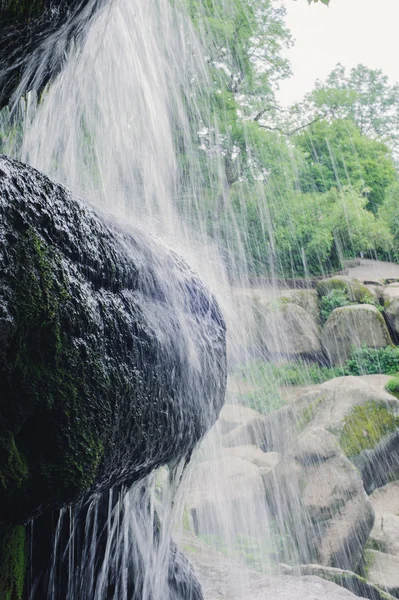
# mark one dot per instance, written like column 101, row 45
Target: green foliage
column 335, row 293
column 389, row 215
column 366, row 425
column 370, row 361
column 393, row 386
column 267, row 379
column 298, row 373
column 13, row 561
column 338, row 155
column 363, row 96
column 334, row 299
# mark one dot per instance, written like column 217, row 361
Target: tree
column 363, row 96
column 337, row 155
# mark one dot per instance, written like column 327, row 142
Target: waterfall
column 110, row 127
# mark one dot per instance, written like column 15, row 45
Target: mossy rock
column 347, row 579
column 356, row 291
column 287, row 328
column 99, row 381
column 13, row 561
column 366, row 426
column 353, row 326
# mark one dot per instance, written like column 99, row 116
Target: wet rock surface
column 383, row 570
column 318, row 499
column 35, row 37
column 222, row 579
column 100, row 379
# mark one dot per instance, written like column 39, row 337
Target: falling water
column 111, row 127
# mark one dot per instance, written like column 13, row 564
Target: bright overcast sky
column 348, row 31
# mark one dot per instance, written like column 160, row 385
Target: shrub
column 370, row 361
column 334, row 299
column 393, row 386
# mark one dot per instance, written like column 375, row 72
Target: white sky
column 348, row 31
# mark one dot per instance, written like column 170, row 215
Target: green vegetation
column 293, row 192
column 13, row 561
column 393, row 386
column 331, row 301
column 267, row 379
column 370, row 361
column 366, row 426
column 308, row 413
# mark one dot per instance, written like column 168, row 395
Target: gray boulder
column 355, row 325
column 386, row 499
column 253, row 454
column 227, row 498
column 224, row 579
column 353, row 288
column 235, row 415
column 317, row 499
column 385, row 533
column 288, row 329
column 391, row 305
column 347, row 579
column 383, row 570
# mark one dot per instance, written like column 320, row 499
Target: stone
column 306, row 299
column 375, row 291
column 275, row 432
column 347, row 579
column 386, row 499
column 318, row 501
column 99, row 381
column 224, row 579
column 254, row 455
column 235, row 415
column 227, row 498
column 363, row 417
column 390, row 293
column 383, row 570
column 356, row 291
column 391, row 305
column 365, row 421
column 288, row 329
column 385, row 534
column 356, row 325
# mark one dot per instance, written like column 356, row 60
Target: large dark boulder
column 34, row 38
column 112, row 351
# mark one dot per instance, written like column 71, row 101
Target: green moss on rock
column 96, row 385
column 365, row 427
column 353, row 289
column 23, row 9
column 13, row 561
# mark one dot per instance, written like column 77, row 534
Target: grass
column 266, row 379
